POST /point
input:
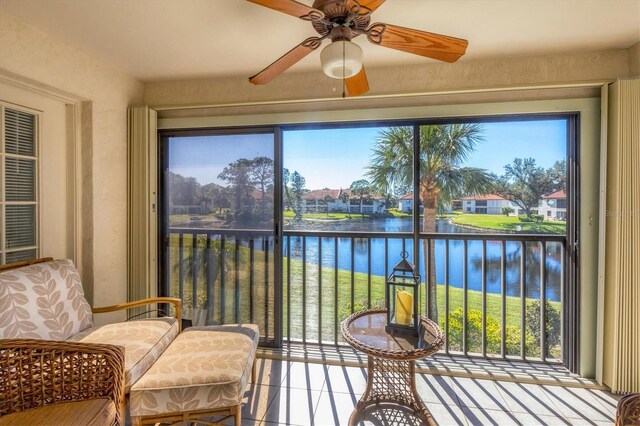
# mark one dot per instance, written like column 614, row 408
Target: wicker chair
column 628, row 412
column 43, row 375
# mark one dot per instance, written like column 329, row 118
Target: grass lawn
column 397, row 213
column 289, row 214
column 509, row 223
column 319, row 301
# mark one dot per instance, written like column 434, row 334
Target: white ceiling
column 177, row 39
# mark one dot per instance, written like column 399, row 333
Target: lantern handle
column 404, row 254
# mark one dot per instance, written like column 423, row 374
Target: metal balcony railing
column 497, row 295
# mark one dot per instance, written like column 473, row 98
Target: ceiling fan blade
column 358, row 84
column 286, row 61
column 430, row 45
column 293, row 8
column 372, row 5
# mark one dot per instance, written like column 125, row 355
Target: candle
column 404, row 307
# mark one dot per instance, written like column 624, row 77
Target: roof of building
column 484, row 197
column 555, row 195
column 321, row 194
column 407, row 197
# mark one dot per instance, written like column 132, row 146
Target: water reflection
column 514, row 252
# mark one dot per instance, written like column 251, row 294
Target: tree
column 524, row 183
column 362, row 189
column 218, row 195
column 184, row 191
column 443, row 149
column 327, row 199
column 558, row 174
column 293, row 190
column 262, row 176
column 238, row 175
column 345, row 197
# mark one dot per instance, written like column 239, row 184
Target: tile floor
column 296, row 393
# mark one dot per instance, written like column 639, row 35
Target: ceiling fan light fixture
column 341, row 59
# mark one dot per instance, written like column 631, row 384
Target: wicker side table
column 391, row 360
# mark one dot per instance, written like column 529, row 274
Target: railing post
column 465, row 302
column 503, row 296
column 523, row 301
column 446, row 296
column 484, row 297
column 304, row 289
column 543, row 300
column 320, row 290
column 335, row 291
column 353, row 277
column 251, row 279
column 210, row 282
column 181, row 266
column 288, row 288
column 223, row 277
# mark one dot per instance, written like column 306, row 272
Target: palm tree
column 443, row 149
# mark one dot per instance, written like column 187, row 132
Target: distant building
column 486, row 204
column 405, row 205
column 340, row 200
column 554, row 206
column 205, row 207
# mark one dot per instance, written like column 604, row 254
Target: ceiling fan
column 341, row 21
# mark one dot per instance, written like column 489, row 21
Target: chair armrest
column 177, row 303
column 628, row 412
column 35, row 373
column 21, row 263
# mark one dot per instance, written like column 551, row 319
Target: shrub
column 524, row 218
column 474, row 334
column 537, row 217
column 507, row 211
column 552, row 327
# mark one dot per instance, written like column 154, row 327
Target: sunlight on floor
column 302, row 394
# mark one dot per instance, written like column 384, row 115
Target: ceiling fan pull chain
column 344, row 95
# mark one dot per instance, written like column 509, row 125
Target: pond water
column 513, row 250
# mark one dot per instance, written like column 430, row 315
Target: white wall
column 42, row 60
column 634, row 60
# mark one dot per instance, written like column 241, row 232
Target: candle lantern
column 401, row 297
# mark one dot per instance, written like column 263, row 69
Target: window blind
column 19, row 132
column 18, row 181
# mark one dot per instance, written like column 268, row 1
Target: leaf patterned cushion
column 43, row 301
column 143, row 342
column 204, row 368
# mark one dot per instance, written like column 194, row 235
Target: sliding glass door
column 218, row 227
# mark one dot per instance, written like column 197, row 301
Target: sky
column 313, row 152
column 334, row 158
column 204, row 157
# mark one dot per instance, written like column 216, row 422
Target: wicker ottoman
column 203, row 373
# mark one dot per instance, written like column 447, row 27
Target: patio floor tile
column 293, row 406
column 346, row 380
column 478, row 393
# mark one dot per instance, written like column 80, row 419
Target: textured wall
column 634, row 60
column 38, row 57
column 407, row 79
